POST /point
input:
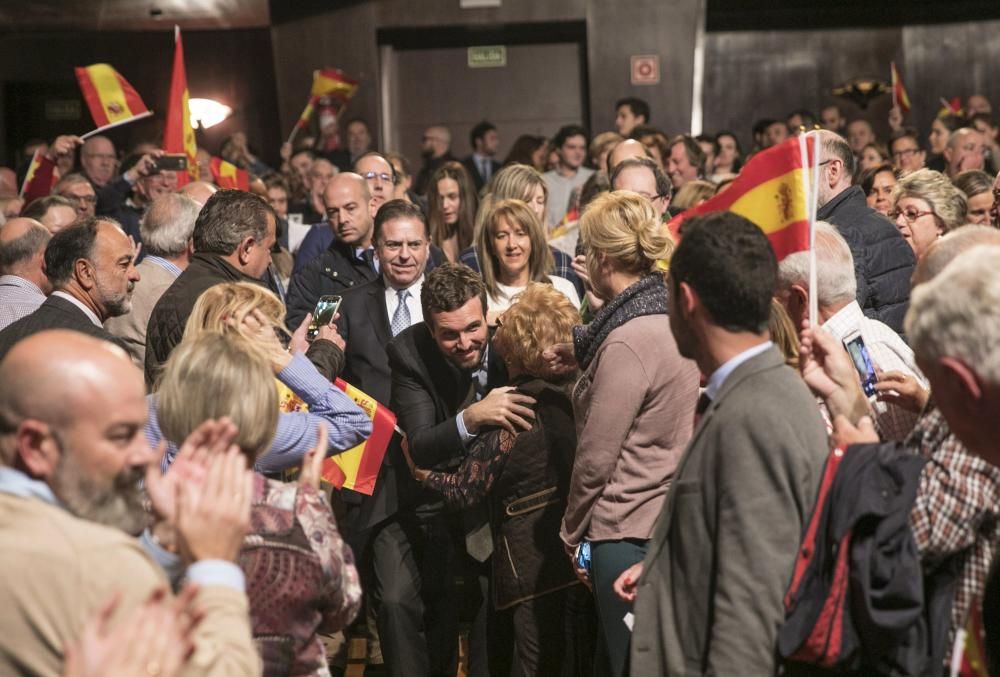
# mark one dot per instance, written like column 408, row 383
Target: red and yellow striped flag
column 900, row 97
column 178, row 134
column 40, row 179
column 227, row 175
column 111, row 99
column 771, row 192
column 328, row 82
column 356, row 468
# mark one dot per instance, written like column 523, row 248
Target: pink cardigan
column 634, row 409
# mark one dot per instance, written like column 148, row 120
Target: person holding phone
column 127, row 197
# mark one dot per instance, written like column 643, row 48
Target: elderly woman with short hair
column 292, row 528
column 925, row 206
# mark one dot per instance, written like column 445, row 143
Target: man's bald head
column 199, row 191
column 626, row 149
column 90, row 450
column 350, row 209
column 943, row 250
column 22, row 251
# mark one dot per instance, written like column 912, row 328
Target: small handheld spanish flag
column 328, row 82
column 40, row 178
column 771, row 192
column 900, row 98
column 111, row 99
column 227, row 175
column 356, row 468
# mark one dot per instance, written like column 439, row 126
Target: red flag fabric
column 900, row 97
column 227, row 175
column 40, row 179
column 178, row 135
column 770, row 191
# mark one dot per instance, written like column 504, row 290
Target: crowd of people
column 618, row 450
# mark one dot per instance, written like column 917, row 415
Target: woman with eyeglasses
column 925, row 206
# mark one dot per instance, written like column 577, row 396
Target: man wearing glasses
column 883, row 261
column 77, row 189
column 907, row 156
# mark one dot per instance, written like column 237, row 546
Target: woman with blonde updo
column 512, row 253
column 248, row 311
column 634, row 404
column 925, row 206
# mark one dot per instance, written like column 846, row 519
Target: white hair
column 957, row 314
column 168, row 224
column 835, row 280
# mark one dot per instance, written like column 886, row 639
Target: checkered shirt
column 957, row 510
column 18, row 298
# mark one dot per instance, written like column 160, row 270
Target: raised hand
column 560, row 358
column 213, row 519
column 903, row 390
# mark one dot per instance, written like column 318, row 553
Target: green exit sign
column 488, row 56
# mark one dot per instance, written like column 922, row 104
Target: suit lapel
column 378, row 314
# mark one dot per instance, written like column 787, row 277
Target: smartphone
column 171, row 163
column 862, row 362
column 326, row 308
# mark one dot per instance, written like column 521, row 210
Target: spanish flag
column 328, row 82
column 900, row 98
column 356, row 468
column 40, row 178
column 227, row 175
column 771, row 192
column 178, row 135
column 111, row 99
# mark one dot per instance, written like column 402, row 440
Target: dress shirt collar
column 16, row 483
column 168, row 266
column 720, row 375
column 76, row 302
column 845, row 321
column 21, row 283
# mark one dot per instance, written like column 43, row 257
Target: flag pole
column 813, row 208
column 140, row 116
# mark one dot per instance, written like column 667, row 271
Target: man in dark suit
column 481, row 165
column 91, row 266
column 708, row 596
column 444, row 378
column 349, row 261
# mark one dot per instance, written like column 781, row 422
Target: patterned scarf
column 648, row 296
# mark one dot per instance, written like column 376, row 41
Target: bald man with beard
column 72, row 452
column 23, row 283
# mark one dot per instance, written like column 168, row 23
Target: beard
column 116, row 303
column 119, row 505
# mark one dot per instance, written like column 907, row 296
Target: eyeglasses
column 386, row 178
column 88, row 199
column 900, row 154
column 909, row 215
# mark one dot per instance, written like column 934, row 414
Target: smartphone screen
column 173, row 163
column 325, row 309
column 863, row 363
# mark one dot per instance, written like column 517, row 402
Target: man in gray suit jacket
column 708, row 596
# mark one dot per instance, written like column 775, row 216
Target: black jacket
column 870, row 610
column 469, row 161
column 883, row 261
column 166, row 324
column 112, row 200
column 333, row 272
column 54, row 313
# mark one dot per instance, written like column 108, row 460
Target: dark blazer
column 883, row 261
column 470, row 165
column 54, row 313
column 710, row 598
column 364, row 325
column 333, row 272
